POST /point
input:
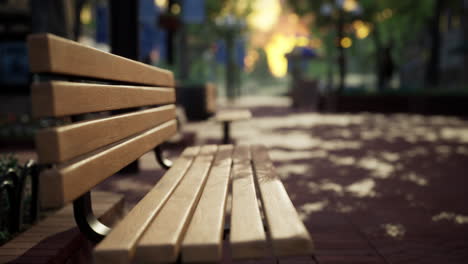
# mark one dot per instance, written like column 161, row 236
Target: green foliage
column 5, row 203
column 8, row 163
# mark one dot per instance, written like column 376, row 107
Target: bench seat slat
column 247, row 237
column 71, row 179
column 119, row 246
column 203, row 240
column 59, row 98
column 52, row 54
column 233, row 115
column 162, row 239
column 59, row 144
column 288, row 234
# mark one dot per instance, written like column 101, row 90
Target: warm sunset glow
column 277, row 31
column 302, row 41
column 161, row 3
column 276, row 50
column 265, row 14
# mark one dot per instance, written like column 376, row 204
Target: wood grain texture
column 59, row 144
column 69, row 180
column 161, row 241
column 58, row 98
column 247, row 237
column 232, row 115
column 52, row 54
column 203, row 240
column 210, row 97
column 119, row 246
column 288, row 234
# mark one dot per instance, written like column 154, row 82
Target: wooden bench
column 183, row 216
column 226, row 117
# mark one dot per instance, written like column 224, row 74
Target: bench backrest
column 74, row 80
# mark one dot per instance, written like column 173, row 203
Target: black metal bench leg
column 87, row 222
column 165, row 163
column 226, row 132
column 226, row 231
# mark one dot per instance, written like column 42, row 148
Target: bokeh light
column 276, row 50
column 362, row 29
column 85, row 15
column 161, row 3
column 350, row 5
column 265, row 14
column 346, row 42
column 175, row 9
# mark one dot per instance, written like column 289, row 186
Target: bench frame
column 85, row 219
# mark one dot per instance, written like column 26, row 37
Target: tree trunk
column 341, row 52
column 432, row 72
column 378, row 59
column 465, row 36
column 230, row 66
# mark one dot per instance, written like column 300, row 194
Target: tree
column 330, row 16
column 393, row 25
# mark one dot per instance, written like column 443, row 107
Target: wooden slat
column 203, row 240
column 58, row 98
column 210, row 95
column 161, row 242
column 119, row 245
column 68, row 181
column 247, row 235
column 59, row 144
column 52, row 54
column 233, row 115
column 288, row 234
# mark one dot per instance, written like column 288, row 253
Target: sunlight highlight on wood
column 203, row 240
column 58, row 98
column 119, row 246
column 69, row 180
column 247, row 237
column 287, row 232
column 162, row 240
column 52, row 54
column 59, row 144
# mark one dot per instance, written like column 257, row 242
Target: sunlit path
column 370, row 187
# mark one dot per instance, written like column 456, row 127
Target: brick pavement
column 371, row 188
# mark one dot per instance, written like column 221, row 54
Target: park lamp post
column 341, row 7
column 230, row 26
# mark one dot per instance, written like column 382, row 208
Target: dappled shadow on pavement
column 371, row 188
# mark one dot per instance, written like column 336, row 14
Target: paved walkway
column 371, row 188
